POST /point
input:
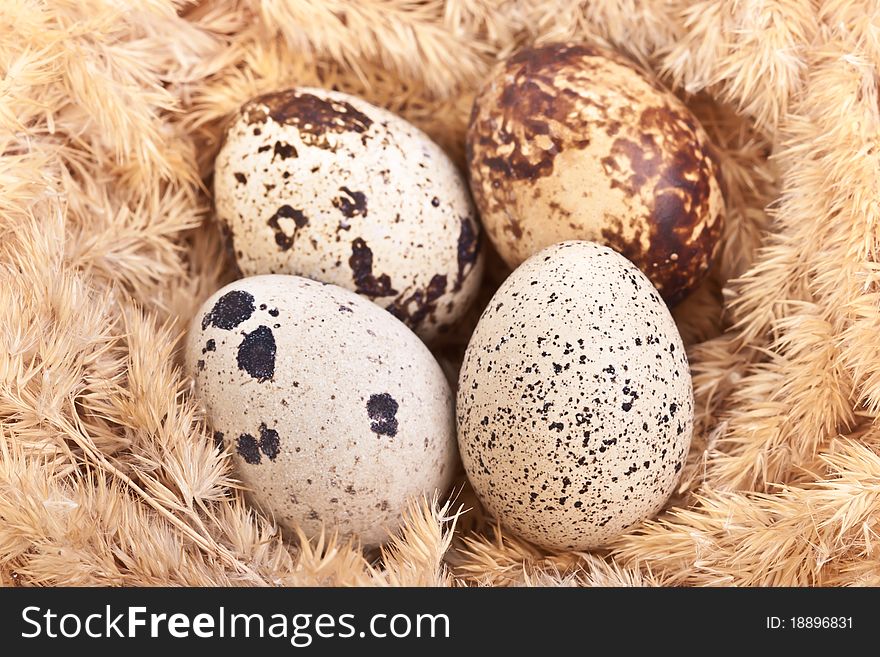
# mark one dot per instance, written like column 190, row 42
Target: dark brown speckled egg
column 323, row 184
column 569, row 141
column 575, row 407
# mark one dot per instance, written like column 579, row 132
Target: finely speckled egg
column 335, row 413
column 571, row 141
column 325, row 185
column 575, row 407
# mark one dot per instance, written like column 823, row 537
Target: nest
column 109, row 122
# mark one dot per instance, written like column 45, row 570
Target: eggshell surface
column 334, row 412
column 323, row 184
column 575, row 406
column 570, row 141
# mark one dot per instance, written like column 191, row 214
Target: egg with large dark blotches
column 575, row 405
column 323, row 184
column 570, row 141
column 335, row 414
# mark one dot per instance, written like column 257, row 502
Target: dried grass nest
column 109, row 121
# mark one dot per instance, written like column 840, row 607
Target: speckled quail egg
column 325, row 185
column 570, row 141
column 335, row 413
column 575, row 406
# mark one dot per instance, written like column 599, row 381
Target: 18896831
column 810, row 623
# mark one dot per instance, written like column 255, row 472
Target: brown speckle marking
column 283, row 150
column 361, row 263
column 315, row 118
column 256, row 354
column 230, row 310
column 532, row 107
column 247, row 448
column 382, row 410
column 468, row 250
column 251, row 449
column 412, row 309
column 282, row 239
column 351, row 203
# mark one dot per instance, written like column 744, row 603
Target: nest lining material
column 109, row 122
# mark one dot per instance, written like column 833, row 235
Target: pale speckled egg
column 575, row 406
column 334, row 412
column 323, row 184
column 569, row 141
